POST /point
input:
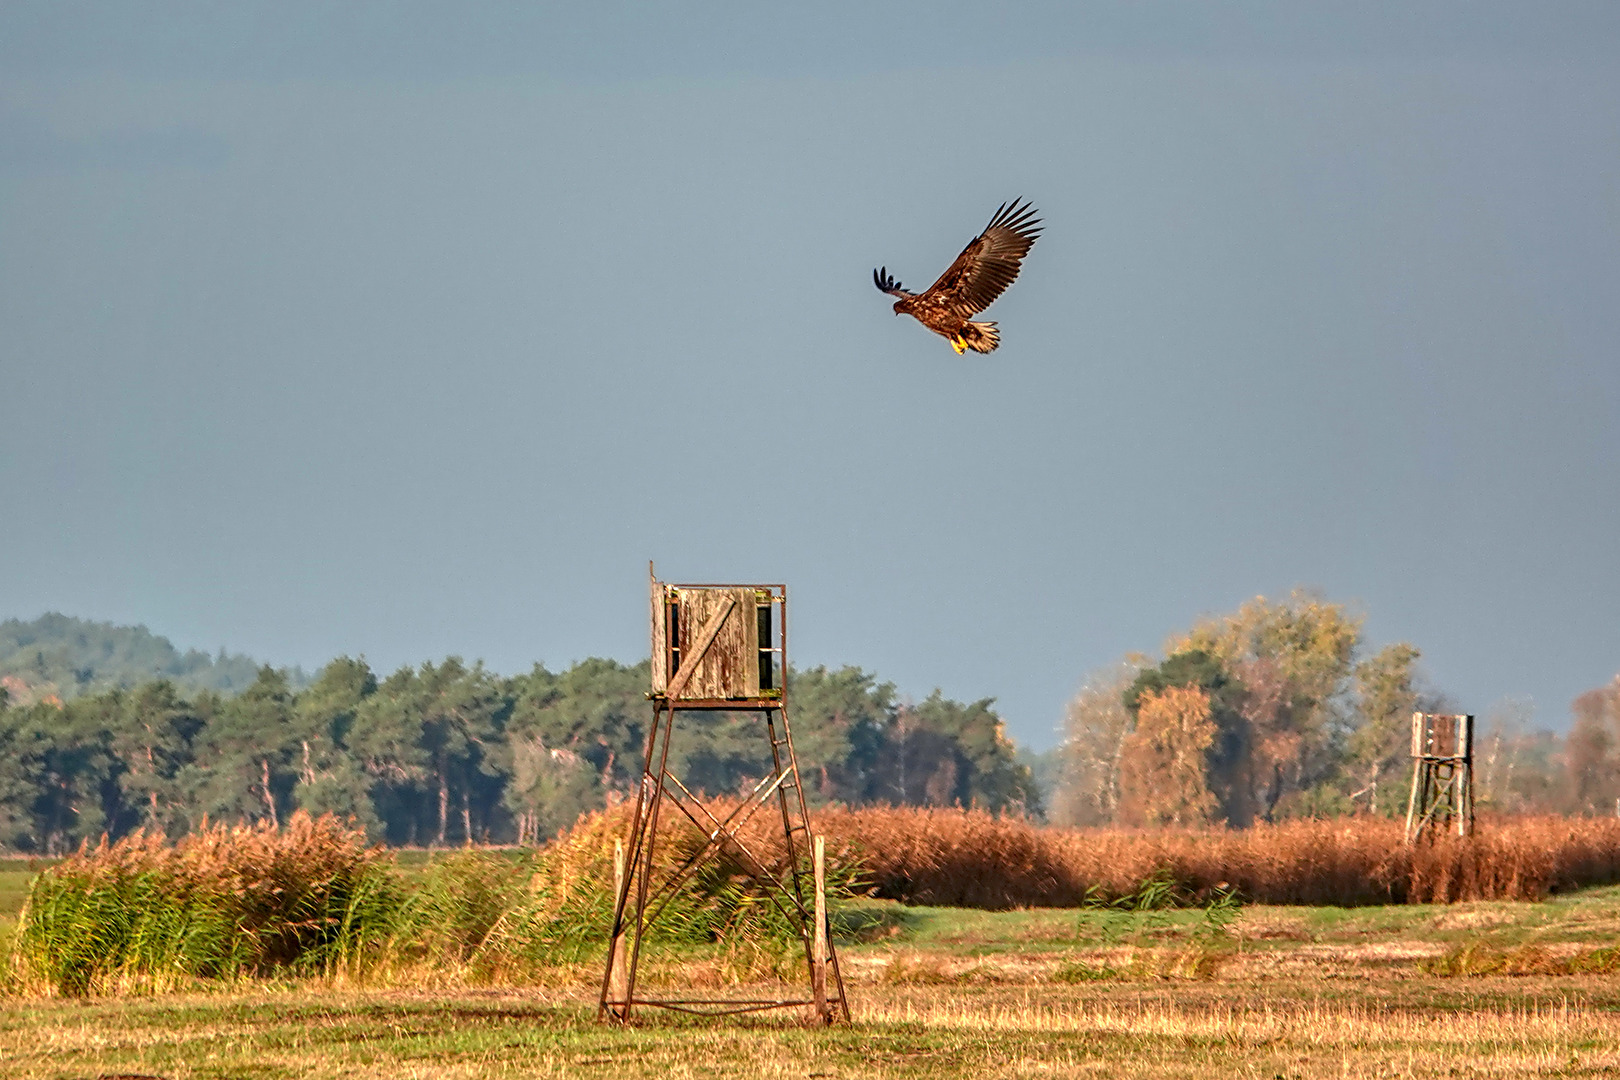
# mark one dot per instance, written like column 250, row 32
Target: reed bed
column 967, row 858
column 140, row 914
column 974, row 859
column 313, row 899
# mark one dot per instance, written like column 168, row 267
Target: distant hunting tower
column 1442, row 775
column 720, row 648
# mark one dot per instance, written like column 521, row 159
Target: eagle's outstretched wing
column 989, row 263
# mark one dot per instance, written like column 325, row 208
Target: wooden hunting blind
column 741, row 665
column 720, row 648
column 1442, row 775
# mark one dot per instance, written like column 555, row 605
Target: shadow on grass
column 863, row 924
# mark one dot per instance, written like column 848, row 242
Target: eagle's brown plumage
column 980, row 274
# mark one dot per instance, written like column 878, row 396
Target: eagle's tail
column 981, row 337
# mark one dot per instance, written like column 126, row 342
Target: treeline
column 1278, row 711
column 445, row 753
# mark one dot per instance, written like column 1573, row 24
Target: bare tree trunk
column 444, row 806
column 466, row 821
column 1111, row 789
column 269, row 797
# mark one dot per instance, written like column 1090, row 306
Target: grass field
column 1496, row 1029
column 939, row 992
column 15, row 876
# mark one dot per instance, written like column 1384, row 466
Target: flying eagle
column 980, row 274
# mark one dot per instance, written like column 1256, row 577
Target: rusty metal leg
column 788, row 829
column 649, row 845
column 823, row 925
column 615, row 985
column 618, row 988
column 817, row 938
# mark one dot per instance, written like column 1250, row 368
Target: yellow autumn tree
column 1292, row 660
column 1164, row 767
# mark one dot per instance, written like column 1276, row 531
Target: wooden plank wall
column 660, row 631
column 730, row 669
column 1438, row 735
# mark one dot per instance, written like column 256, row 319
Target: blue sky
column 418, row 329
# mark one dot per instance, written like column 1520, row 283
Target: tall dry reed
column 312, row 899
column 970, row 858
column 142, row 915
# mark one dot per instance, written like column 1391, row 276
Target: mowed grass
column 1203, row 1030
column 936, row 993
column 1589, row 917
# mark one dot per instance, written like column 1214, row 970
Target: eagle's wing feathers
column 886, row 283
column 989, row 263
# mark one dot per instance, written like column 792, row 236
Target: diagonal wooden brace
column 705, row 638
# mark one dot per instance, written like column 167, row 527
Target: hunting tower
column 1442, row 775
column 720, row 648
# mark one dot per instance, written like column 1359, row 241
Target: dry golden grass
column 921, row 1033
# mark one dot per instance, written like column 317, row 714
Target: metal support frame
column 1442, row 798
column 640, row 899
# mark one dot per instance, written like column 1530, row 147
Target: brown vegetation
column 974, row 859
column 140, row 914
column 278, row 886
